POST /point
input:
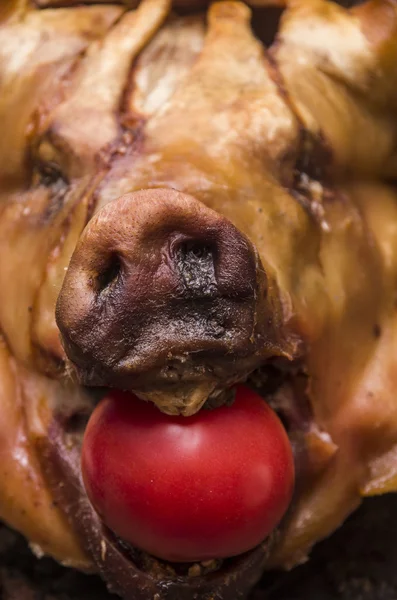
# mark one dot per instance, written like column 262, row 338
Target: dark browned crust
column 61, row 461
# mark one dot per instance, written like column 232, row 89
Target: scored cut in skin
column 292, row 146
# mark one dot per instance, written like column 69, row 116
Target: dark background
column 359, row 562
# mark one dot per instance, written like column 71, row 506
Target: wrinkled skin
column 144, row 145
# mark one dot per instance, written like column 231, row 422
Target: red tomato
column 188, row 488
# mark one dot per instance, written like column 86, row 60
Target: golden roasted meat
column 244, row 183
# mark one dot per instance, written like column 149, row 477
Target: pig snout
column 162, row 297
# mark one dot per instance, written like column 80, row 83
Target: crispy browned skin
column 227, row 207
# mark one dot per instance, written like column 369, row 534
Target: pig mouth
column 131, row 572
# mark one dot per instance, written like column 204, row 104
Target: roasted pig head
column 196, row 198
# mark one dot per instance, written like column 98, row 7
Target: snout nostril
column 109, row 274
column 195, row 263
column 197, row 250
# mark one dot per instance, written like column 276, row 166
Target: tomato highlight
column 213, row 485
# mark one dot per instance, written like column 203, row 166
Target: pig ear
column 107, row 63
column 99, row 83
column 10, row 9
column 358, row 45
column 232, row 77
column 377, row 21
column 338, row 66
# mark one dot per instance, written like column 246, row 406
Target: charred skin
column 143, row 146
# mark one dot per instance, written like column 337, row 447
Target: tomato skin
column 188, row 488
